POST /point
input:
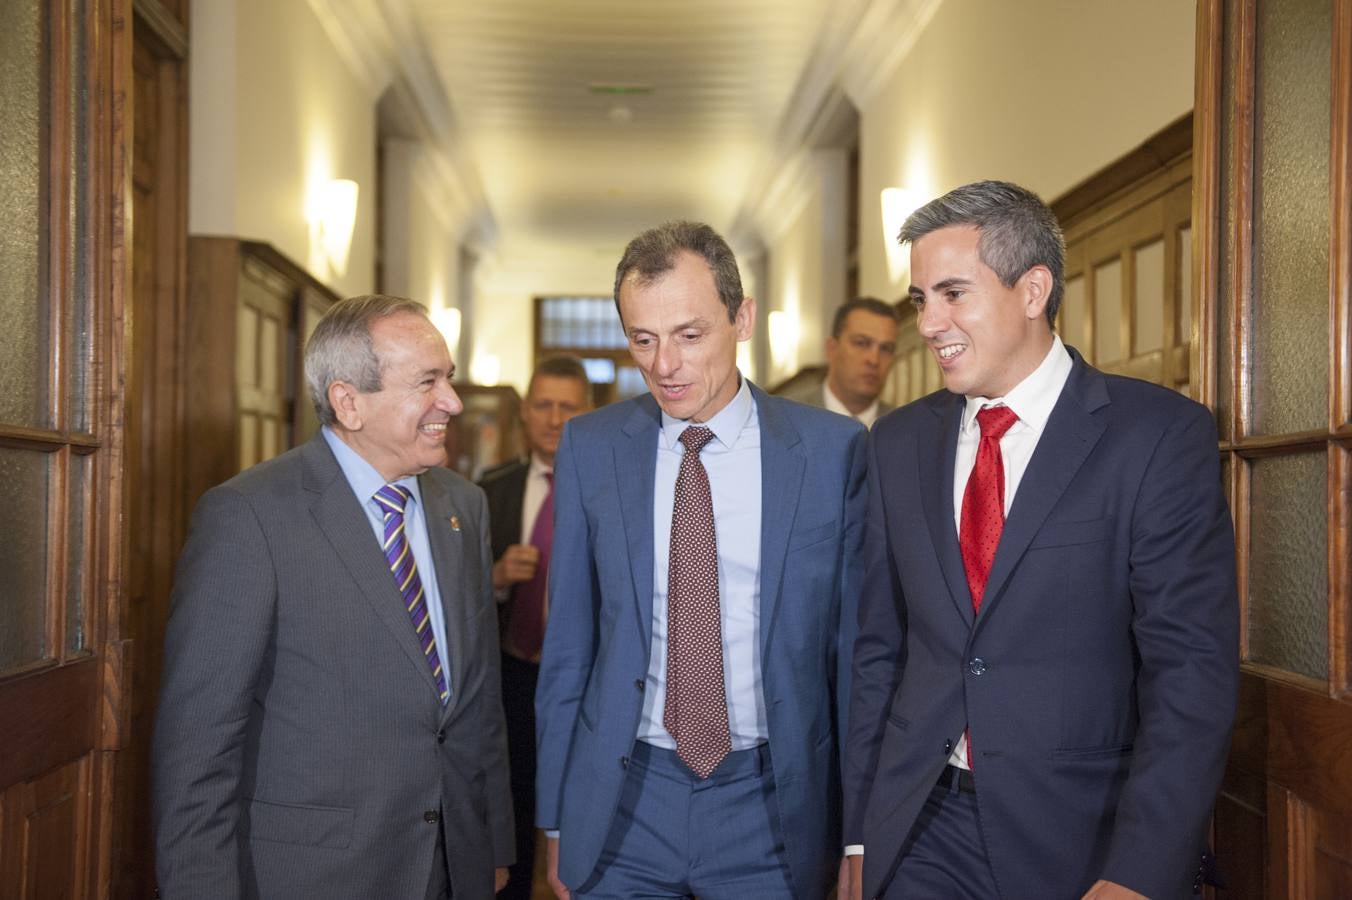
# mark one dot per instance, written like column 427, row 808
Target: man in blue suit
column 1047, row 664
column 701, row 609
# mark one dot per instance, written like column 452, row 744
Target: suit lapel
column 344, row 523
column 935, row 463
column 635, row 461
column 457, row 603
column 1066, row 442
column 782, row 466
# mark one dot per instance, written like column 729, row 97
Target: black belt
column 952, row 777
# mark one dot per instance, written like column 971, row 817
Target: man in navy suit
column 702, row 595
column 1046, row 671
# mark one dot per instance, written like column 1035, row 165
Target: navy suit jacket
column 1099, row 678
column 597, row 648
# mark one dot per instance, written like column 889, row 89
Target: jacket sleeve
column 219, row 630
column 570, row 638
column 1186, row 630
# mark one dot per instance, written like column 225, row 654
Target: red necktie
column 696, row 713
column 983, row 509
column 983, row 502
column 526, row 630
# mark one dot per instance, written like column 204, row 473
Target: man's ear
column 343, row 399
column 1037, row 285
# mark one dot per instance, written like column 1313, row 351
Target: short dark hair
column 871, row 305
column 561, row 366
column 653, row 253
column 1018, row 231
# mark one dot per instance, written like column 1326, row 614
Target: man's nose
column 449, row 401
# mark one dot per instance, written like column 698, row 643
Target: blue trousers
column 677, row 835
column 944, row 857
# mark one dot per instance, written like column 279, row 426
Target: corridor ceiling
column 592, row 119
column 573, row 124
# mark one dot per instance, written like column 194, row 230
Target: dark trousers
column 944, row 857
column 518, row 703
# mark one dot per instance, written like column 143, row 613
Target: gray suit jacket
column 300, row 748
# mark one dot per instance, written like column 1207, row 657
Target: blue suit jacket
column 597, row 647
column 1100, row 677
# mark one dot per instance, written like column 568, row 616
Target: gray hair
column 653, row 254
column 1018, row 231
column 341, row 348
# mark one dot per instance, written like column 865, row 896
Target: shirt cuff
column 553, row 835
column 854, row 850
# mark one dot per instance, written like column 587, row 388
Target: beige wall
column 1040, row 92
column 274, row 113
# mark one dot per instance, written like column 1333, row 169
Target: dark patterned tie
column 392, row 499
column 696, row 713
column 526, row 630
column 983, row 502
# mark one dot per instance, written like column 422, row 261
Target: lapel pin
column 455, row 523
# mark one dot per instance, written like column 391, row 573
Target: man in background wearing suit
column 1046, row 671
column 329, row 722
column 701, row 590
column 859, row 356
column 521, row 518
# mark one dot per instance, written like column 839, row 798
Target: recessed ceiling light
column 613, row 88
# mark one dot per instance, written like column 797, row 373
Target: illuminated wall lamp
column 485, row 369
column 333, row 214
column 785, row 330
column 448, row 323
column 897, row 204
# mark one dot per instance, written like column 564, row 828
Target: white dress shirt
column 1032, row 401
column 867, row 416
column 732, row 460
column 365, row 481
column 537, row 488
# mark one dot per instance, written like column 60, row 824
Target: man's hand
column 500, row 878
column 552, row 861
column 849, row 884
column 517, row 564
column 1108, row 890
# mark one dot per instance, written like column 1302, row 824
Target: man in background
column 859, row 357
column 521, row 520
column 702, row 601
column 329, row 721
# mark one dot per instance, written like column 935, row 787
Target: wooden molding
column 1156, row 153
column 171, row 35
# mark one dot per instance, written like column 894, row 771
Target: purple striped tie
column 391, row 499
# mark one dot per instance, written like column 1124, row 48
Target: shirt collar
column 361, row 475
column 1033, row 398
column 538, row 467
column 832, row 402
column 726, row 424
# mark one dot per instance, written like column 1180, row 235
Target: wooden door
column 154, row 433
column 1273, row 244
column 62, row 97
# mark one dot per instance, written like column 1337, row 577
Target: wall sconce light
column 485, row 369
column 897, row 204
column 447, row 321
column 785, row 330
column 332, row 215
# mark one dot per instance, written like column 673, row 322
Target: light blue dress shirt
column 365, row 481
column 733, row 461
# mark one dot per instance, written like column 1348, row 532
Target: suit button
column 624, row 762
column 977, row 666
column 948, row 748
column 432, row 817
column 441, row 736
column 638, row 683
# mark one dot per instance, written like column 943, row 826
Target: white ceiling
column 562, row 163
column 739, row 89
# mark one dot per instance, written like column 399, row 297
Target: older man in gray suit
column 330, row 722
